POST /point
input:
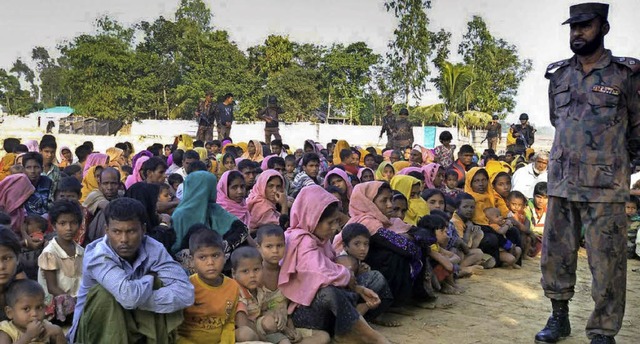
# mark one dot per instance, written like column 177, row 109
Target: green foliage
column 12, row 96
column 456, row 84
column 410, row 51
column 497, row 68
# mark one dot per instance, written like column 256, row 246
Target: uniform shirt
column 211, row 319
column 272, row 112
column 388, row 125
column 595, row 115
column 494, row 130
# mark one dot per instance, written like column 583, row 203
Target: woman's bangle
column 26, row 243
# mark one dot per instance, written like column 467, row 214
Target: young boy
column 538, row 211
column 633, row 219
column 450, row 185
column 290, row 167
column 246, row 269
column 24, row 301
column 273, row 325
column 211, row 319
column 521, row 219
column 355, row 238
column 33, row 234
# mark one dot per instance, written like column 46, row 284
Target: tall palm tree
column 456, row 85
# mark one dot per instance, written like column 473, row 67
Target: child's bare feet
column 386, row 320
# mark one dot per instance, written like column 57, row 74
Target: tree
column 195, row 11
column 409, row 52
column 297, row 92
column 23, row 71
column 497, row 68
column 272, row 57
column 17, row 100
column 456, row 85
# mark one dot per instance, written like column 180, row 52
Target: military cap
column 584, row 12
column 495, row 117
column 273, row 99
column 524, row 117
column 404, row 111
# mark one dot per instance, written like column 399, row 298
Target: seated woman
column 366, row 175
column 265, row 197
column 232, row 191
column 324, row 294
column 411, row 187
column 433, row 176
column 254, row 151
column 477, row 185
column 198, row 205
column 393, row 250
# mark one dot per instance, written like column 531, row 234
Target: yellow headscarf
column 89, row 183
column 500, row 202
column 399, row 165
column 224, row 149
column 185, row 142
column 257, row 156
column 363, row 153
column 340, row 145
column 483, row 200
column 5, row 164
column 115, row 154
column 418, row 207
column 243, row 146
column 202, row 153
column 379, row 172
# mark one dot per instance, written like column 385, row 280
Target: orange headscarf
column 483, row 200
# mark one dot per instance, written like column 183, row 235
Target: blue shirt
column 131, row 284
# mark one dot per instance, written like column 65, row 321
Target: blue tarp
column 59, row 109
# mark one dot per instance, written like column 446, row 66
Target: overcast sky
column 532, row 25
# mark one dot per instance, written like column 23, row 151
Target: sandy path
column 508, row 306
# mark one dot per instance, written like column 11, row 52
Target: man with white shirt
column 526, row 178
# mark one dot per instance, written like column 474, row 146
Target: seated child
column 60, row 262
column 450, row 185
column 273, row 325
column 33, row 230
column 509, row 251
column 211, row 319
column 444, row 262
column 633, row 220
column 246, row 269
column 470, row 258
column 355, row 240
column 167, row 202
column 538, row 210
column 174, row 181
column 21, row 297
column 290, row 167
column 74, row 171
column 70, row 189
column 521, row 219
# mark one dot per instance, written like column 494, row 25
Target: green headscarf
column 198, row 205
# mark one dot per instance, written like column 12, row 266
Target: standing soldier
column 224, row 116
column 494, row 134
column 403, row 132
column 524, row 134
column 594, row 103
column 270, row 115
column 388, row 126
column 205, row 117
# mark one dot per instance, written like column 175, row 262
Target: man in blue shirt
column 131, row 287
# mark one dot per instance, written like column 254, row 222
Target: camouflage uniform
column 597, row 122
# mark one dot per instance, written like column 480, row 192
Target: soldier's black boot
column 602, row 339
column 558, row 326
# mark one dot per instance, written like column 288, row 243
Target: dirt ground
column 508, row 306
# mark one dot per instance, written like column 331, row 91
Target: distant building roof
column 59, row 109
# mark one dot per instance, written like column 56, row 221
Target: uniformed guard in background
column 594, row 105
column 271, row 116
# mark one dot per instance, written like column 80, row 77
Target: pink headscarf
column 264, row 165
column 405, row 171
column 308, row 263
column 430, row 173
column 238, row 209
column 95, row 159
column 261, row 210
column 343, row 175
column 32, row 145
column 386, row 155
column 427, row 154
column 362, row 210
column 15, row 189
column 135, row 177
column 361, row 171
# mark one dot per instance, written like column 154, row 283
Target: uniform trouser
column 605, row 228
column 268, row 131
column 205, row 133
column 492, row 143
column 224, row 132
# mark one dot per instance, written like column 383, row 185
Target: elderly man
column 526, row 178
column 131, row 288
column 97, row 201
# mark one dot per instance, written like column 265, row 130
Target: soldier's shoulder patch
column 552, row 68
column 629, row 62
